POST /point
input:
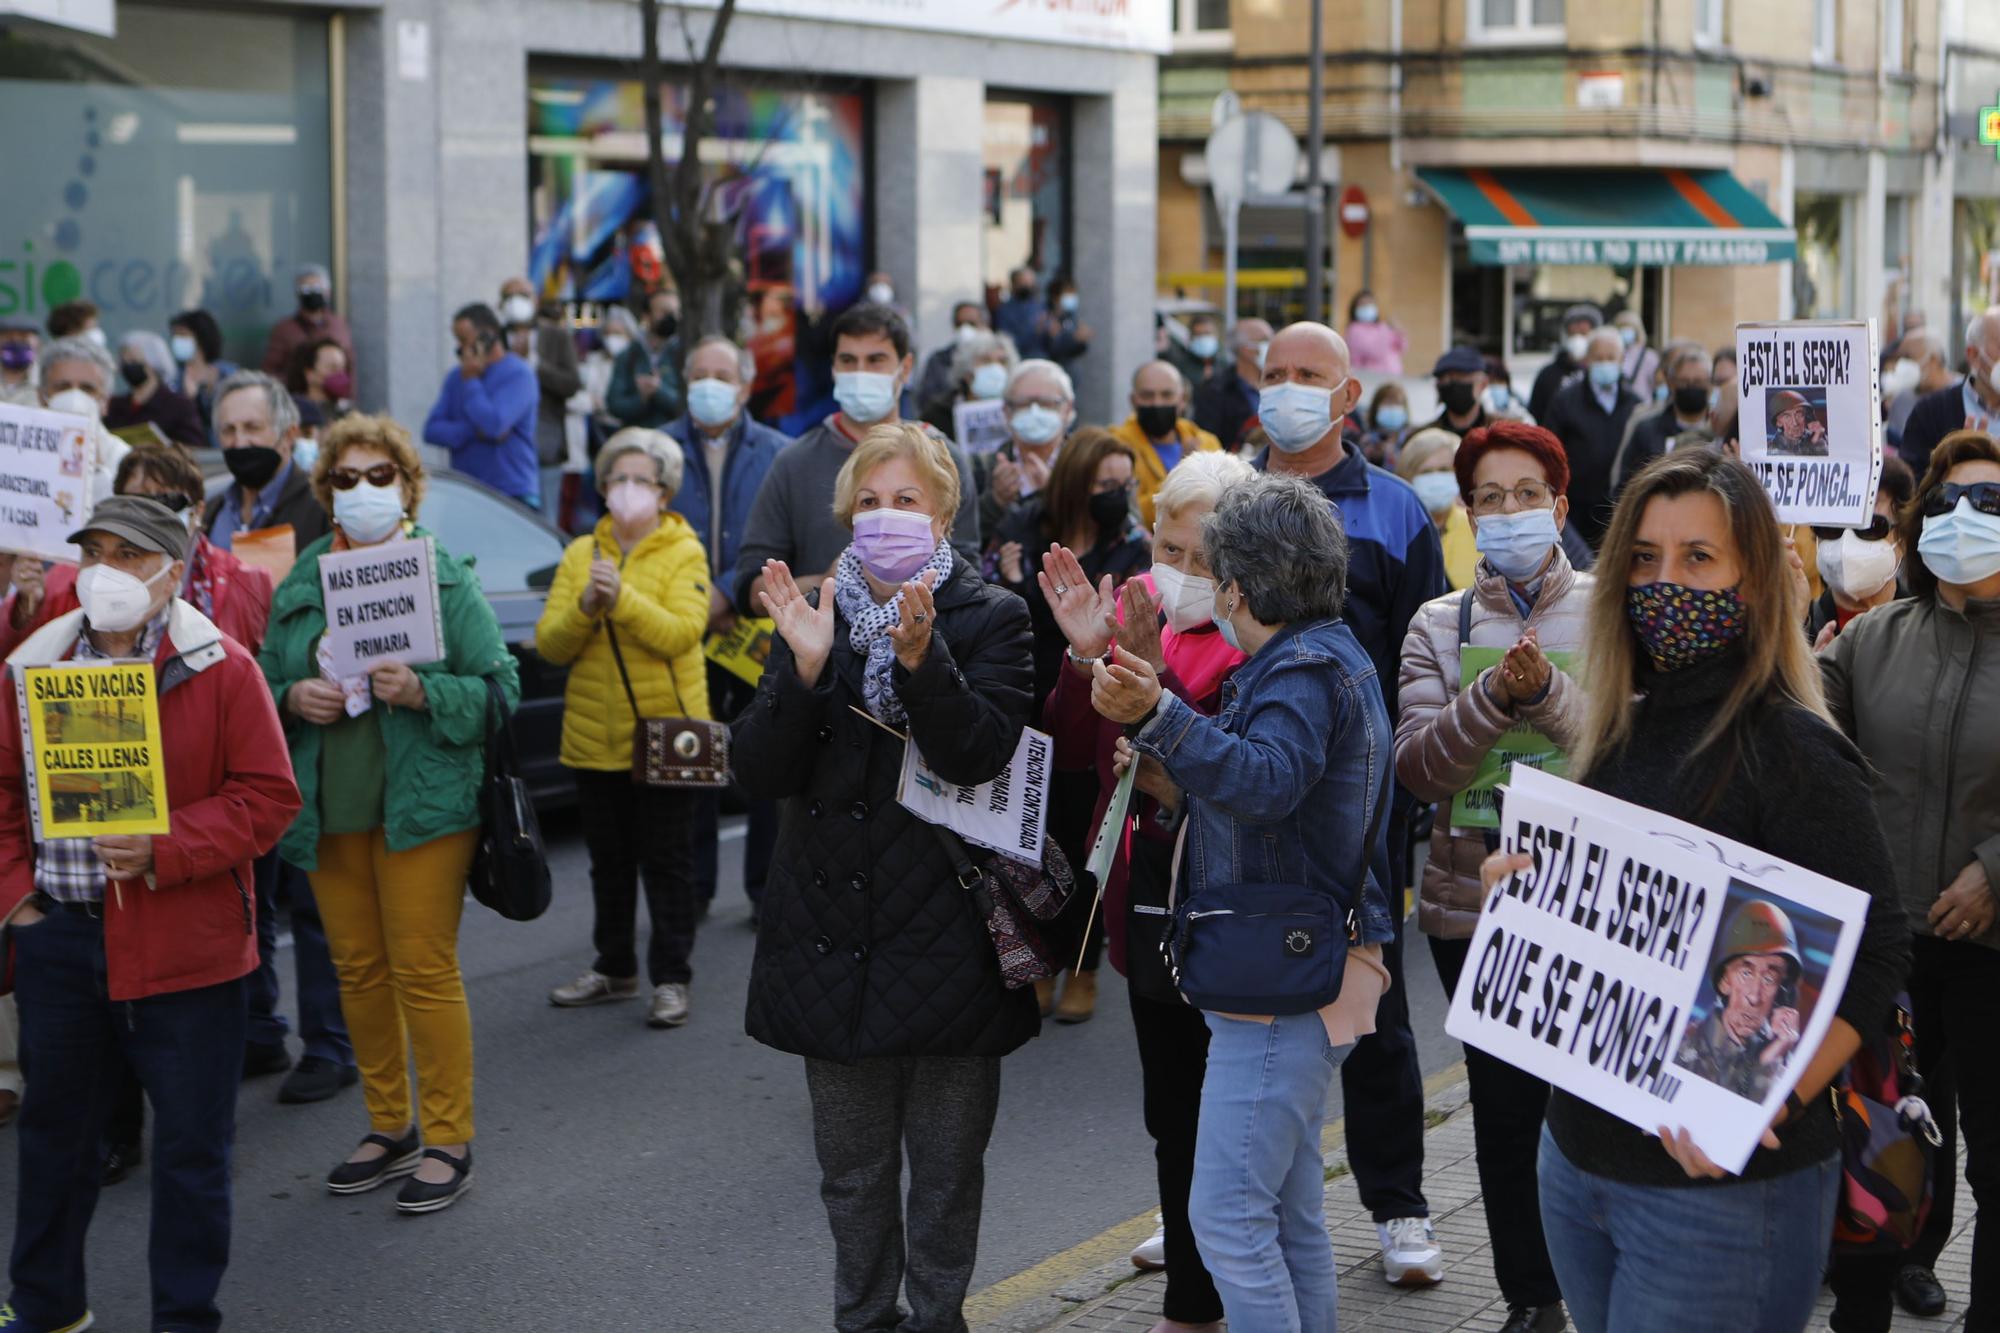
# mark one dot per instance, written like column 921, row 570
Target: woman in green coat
column 389, row 763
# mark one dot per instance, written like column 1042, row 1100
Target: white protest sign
column 44, row 481
column 382, row 606
column 1809, row 418
column 979, row 425
column 1007, row 815
column 1664, row 973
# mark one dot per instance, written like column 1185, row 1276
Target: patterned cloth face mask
column 1682, row 626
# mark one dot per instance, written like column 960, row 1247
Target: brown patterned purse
column 688, row 752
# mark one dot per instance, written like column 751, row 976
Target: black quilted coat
column 866, row 945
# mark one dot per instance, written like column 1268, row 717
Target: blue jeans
column 1747, row 1255
column 187, row 1049
column 321, row 1026
column 1258, row 1203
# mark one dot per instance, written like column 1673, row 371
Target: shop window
column 185, row 162
column 1028, row 189
column 1516, row 22
column 1708, row 23
column 1826, row 32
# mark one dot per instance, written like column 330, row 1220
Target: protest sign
column 94, row 759
column 979, row 425
column 273, row 550
column 44, row 481
column 1809, row 418
column 382, row 606
column 1111, row 831
column 1008, row 815
column 743, row 649
column 1475, row 806
column 1661, row 972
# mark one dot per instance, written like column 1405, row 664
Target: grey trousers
column 940, row 1111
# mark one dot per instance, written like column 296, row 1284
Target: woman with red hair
column 1517, row 624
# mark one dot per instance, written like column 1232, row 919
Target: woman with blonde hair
column 626, row 614
column 1705, row 704
column 389, row 765
column 1426, row 463
column 873, row 961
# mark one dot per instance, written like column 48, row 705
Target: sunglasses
column 1984, row 495
column 347, row 478
column 1879, row 527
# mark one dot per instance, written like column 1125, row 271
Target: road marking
column 1058, row 1271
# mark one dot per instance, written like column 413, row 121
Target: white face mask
column 1576, row 345
column 1188, row 599
column 616, row 343
column 1855, row 569
column 1900, row 378
column 518, row 310
column 368, row 513
column 77, row 403
column 114, row 601
column 881, row 293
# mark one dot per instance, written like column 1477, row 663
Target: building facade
column 1702, row 162
column 428, row 149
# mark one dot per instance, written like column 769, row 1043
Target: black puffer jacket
column 866, row 945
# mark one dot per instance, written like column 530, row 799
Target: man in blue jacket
column 485, row 413
column 727, row 455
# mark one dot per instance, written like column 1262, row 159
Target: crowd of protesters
column 1253, row 596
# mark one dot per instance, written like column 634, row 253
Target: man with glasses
column 1040, row 399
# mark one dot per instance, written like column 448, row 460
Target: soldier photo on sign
column 1798, row 422
column 1762, row 983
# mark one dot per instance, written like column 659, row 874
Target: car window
column 507, row 546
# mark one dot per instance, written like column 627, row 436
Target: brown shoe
column 1045, row 995
column 1079, row 998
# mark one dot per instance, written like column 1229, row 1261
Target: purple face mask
column 893, row 544
column 16, row 356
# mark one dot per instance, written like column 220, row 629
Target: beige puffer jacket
column 1442, row 733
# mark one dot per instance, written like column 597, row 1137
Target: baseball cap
column 141, row 520
column 1465, row 360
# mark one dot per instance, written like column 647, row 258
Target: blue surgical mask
column 1516, row 544
column 865, row 396
column 305, row 452
column 1438, row 490
column 989, row 381
column 1069, row 303
column 1036, row 425
column 1367, row 313
column 1225, row 629
column 1497, row 398
column 712, row 402
column 1604, row 374
column 1204, row 345
column 1961, row 547
column 1660, row 392
column 368, row 513
column 1295, row 416
column 1391, row 417
column 1627, row 336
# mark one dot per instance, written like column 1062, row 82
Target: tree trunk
column 696, row 249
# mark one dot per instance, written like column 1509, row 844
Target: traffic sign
column 1251, row 155
column 1353, row 212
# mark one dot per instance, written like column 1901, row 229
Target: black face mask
column 1109, row 508
column 665, row 325
column 133, row 371
column 1157, row 419
column 1690, row 399
column 312, row 302
column 1457, row 397
column 252, row 464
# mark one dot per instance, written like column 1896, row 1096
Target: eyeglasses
column 1878, row 528
column 1985, row 497
column 1528, row 495
column 347, row 478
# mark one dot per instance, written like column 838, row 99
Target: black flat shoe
column 1535, row 1319
column 260, row 1058
column 1919, row 1291
column 315, row 1080
column 120, row 1161
column 419, row 1196
column 399, row 1158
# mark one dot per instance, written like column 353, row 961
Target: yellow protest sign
column 743, row 651
column 94, row 743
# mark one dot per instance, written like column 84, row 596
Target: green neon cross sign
column 1989, row 127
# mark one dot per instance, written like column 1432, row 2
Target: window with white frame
column 1200, row 17
column 1502, row 21
column 1708, row 22
column 1893, row 37
column 1826, row 32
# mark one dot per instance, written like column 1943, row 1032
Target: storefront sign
column 1661, row 972
column 1989, row 126
column 1131, row 25
column 1810, row 417
column 1698, row 249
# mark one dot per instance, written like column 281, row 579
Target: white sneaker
column 1151, row 1254
column 593, row 987
column 670, row 1005
column 1410, row 1254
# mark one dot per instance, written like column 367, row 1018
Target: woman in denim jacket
column 1286, row 786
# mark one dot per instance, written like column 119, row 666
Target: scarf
column 869, row 625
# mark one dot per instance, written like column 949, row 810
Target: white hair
column 1200, row 479
column 662, row 448
column 152, row 349
column 746, row 363
column 967, row 355
column 77, row 348
column 1036, row 365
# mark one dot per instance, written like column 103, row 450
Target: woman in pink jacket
column 1516, row 625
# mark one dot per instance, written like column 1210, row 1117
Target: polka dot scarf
column 1682, row 626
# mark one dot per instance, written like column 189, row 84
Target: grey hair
column 1200, row 478
column 965, row 358
column 1680, row 356
column 1921, row 345
column 1278, row 539
column 1607, row 334
column 662, row 448
column 1035, row 365
column 1975, row 328
column 746, row 362
column 284, row 412
column 621, row 319
column 313, row 272
column 153, row 350
column 77, row 348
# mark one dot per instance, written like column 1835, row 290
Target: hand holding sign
column 394, row 683
column 124, row 856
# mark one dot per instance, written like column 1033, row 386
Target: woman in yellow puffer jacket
column 637, row 587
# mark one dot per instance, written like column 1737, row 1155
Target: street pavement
column 634, row 1179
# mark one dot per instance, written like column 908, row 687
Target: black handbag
column 510, row 871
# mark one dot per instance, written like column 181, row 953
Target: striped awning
column 1653, row 218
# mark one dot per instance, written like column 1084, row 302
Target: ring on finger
column 1061, row 588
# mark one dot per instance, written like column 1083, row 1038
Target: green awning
column 1654, row 218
